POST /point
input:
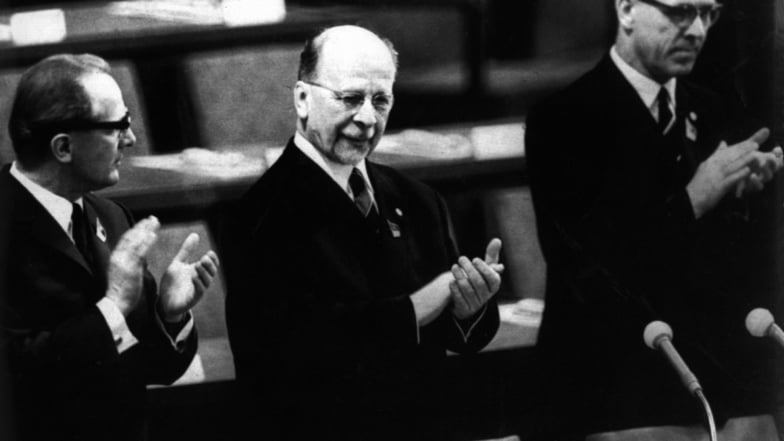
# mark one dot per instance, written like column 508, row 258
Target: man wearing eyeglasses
column 344, row 285
column 646, row 203
column 83, row 326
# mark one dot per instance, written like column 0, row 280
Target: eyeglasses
column 353, row 101
column 684, row 14
column 121, row 124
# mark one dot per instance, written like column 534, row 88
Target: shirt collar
column 646, row 88
column 57, row 206
column 338, row 172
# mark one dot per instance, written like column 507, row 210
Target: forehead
column 104, row 94
column 355, row 54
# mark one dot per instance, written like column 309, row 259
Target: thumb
column 760, row 136
column 493, row 251
column 187, row 247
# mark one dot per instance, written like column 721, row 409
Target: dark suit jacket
column 320, row 323
column 623, row 248
column 68, row 380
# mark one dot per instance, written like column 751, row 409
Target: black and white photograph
column 355, row 220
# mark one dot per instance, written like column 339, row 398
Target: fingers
column 461, row 306
column 497, row 267
column 490, row 277
column 465, row 287
column 484, row 281
column 140, row 238
column 207, row 268
column 760, row 136
column 188, row 245
column 493, row 251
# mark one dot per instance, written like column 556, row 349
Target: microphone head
column 654, row 331
column 758, row 322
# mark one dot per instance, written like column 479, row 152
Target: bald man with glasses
column 345, row 288
column 646, row 201
column 84, row 327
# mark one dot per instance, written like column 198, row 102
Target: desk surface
column 100, row 29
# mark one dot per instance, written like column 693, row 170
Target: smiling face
column 96, row 154
column 655, row 46
column 354, row 62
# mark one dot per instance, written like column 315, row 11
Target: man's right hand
column 126, row 264
column 722, row 171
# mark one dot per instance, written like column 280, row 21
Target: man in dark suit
column 345, row 287
column 645, row 211
column 82, row 324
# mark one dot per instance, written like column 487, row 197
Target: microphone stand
column 708, row 414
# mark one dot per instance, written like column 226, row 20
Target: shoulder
column 588, row 89
column 390, row 180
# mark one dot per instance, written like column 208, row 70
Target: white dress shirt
column 646, row 88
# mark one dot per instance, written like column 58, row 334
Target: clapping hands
column 183, row 284
column 475, row 281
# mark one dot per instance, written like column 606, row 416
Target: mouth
column 357, row 140
column 685, row 51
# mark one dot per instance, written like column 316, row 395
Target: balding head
column 342, row 41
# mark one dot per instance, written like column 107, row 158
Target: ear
column 624, row 10
column 61, row 148
column 301, row 99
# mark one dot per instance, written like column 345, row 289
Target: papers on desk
column 180, row 11
column 205, row 12
column 498, row 141
column 526, row 312
column 203, row 162
column 483, row 142
column 426, row 144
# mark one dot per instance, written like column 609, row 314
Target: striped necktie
column 665, row 115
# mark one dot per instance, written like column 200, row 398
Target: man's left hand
column 476, row 281
column 183, row 284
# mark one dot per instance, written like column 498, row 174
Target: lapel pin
column 394, row 229
column 691, row 131
column 99, row 230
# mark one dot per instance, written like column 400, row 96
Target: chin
column 351, row 155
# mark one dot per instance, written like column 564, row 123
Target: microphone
column 658, row 335
column 760, row 323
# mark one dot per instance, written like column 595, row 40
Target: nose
column 127, row 138
column 697, row 28
column 366, row 114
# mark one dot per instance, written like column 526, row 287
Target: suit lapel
column 97, row 238
column 31, row 218
column 328, row 217
column 396, row 242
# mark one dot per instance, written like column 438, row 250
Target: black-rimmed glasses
column 684, row 14
column 353, row 101
column 121, row 124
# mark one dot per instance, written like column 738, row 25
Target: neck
column 627, row 52
column 54, row 179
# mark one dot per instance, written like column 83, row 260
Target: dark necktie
column 80, row 232
column 362, row 198
column 665, row 115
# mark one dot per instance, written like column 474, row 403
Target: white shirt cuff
column 121, row 334
column 181, row 336
column 467, row 333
